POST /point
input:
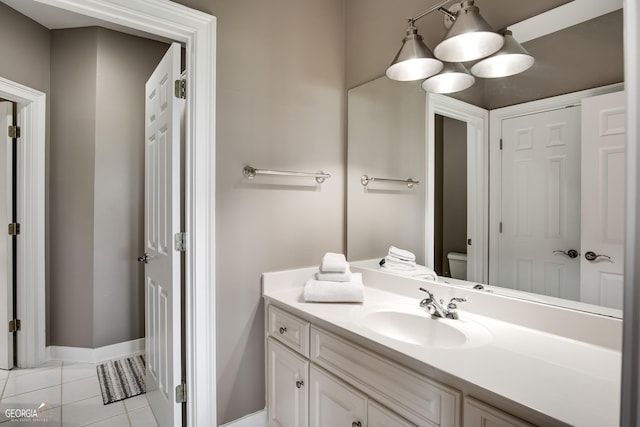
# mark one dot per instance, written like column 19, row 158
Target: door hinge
column 14, row 325
column 180, row 89
column 181, row 393
column 14, row 131
column 501, row 143
column 180, row 241
column 14, row 229
column 500, row 226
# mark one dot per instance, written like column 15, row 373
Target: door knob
column 571, row 253
column 144, row 258
column 592, row 256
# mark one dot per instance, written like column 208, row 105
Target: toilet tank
column 458, row 265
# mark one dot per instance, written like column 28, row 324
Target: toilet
column 458, row 265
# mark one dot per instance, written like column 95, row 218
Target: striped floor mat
column 121, row 379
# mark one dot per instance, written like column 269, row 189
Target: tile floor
column 71, row 394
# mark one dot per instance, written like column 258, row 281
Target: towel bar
column 366, row 179
column 250, row 173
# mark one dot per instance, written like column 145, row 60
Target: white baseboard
column 258, row 419
column 95, row 355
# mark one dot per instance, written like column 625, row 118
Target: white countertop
column 572, row 381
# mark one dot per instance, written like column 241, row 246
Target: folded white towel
column 334, row 277
column 324, row 291
column 403, row 254
column 393, row 263
column 334, row 263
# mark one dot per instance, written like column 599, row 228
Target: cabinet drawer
column 414, row 397
column 289, row 329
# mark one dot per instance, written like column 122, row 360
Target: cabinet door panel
column 287, row 389
column 333, row 403
column 479, row 414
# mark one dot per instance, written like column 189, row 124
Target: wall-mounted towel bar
column 366, row 179
column 250, row 172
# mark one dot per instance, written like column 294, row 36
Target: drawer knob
column 299, row 384
column 356, row 424
column 282, row 329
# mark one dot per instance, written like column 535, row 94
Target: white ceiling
column 54, row 18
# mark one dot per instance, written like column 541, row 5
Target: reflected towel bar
column 250, row 173
column 365, row 180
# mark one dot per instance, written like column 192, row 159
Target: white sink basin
column 413, row 325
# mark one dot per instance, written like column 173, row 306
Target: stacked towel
column 334, row 263
column 334, row 282
column 327, row 291
column 399, row 259
column 334, row 268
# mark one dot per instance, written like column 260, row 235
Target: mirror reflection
column 554, row 195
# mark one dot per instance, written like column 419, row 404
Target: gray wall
column 281, row 105
column 386, row 134
column 97, row 185
column 124, row 63
column 454, row 190
column 72, row 163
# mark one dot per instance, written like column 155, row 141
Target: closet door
column 603, row 198
column 540, row 213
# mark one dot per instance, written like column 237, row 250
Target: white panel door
column 162, row 222
column 603, row 199
column 333, row 403
column 6, row 284
column 540, row 210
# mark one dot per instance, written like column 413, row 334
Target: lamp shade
column 414, row 60
column 511, row 59
column 454, row 77
column 469, row 38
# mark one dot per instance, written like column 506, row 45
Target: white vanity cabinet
column 318, row 379
column 479, row 414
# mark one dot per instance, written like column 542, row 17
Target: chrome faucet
column 437, row 309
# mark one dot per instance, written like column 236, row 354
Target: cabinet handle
column 282, row 329
column 299, row 384
column 356, row 424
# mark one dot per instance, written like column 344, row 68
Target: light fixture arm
column 438, row 6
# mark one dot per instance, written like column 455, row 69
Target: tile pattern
column 70, row 393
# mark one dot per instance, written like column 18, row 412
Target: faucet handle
column 452, row 303
column 428, row 292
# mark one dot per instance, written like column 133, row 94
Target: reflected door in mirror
column 540, row 214
column 603, row 199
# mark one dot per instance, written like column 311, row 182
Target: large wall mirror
column 513, row 212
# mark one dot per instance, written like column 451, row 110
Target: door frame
column 30, row 292
column 495, row 159
column 197, row 32
column 477, row 120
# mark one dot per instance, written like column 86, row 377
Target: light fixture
column 511, row 59
column 414, row 60
column 454, row 77
column 469, row 38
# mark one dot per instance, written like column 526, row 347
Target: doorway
column 475, row 124
column 197, row 31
